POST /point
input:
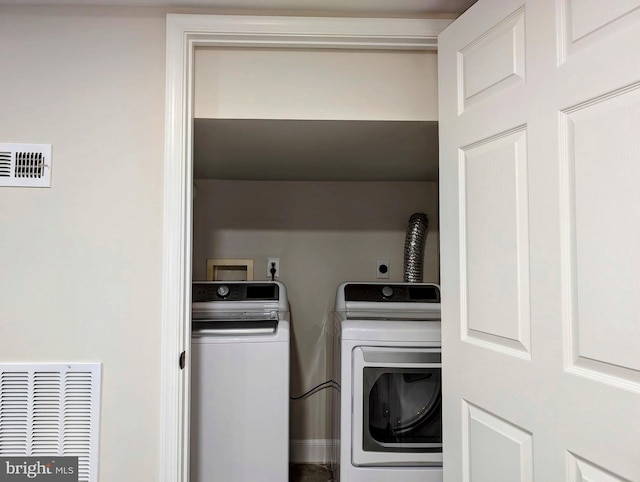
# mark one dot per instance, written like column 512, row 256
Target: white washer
column 389, row 369
column 239, row 382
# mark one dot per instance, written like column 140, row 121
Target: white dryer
column 389, row 369
column 239, row 382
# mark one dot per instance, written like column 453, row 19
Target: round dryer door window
column 403, row 409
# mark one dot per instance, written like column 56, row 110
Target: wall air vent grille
column 25, row 165
column 51, row 410
column 29, row 164
column 5, row 164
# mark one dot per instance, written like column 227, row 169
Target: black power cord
column 318, row 388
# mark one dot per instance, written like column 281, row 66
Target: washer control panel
column 223, row 291
column 220, row 291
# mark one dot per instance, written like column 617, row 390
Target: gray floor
column 309, row 473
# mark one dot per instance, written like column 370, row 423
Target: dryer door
column 397, row 410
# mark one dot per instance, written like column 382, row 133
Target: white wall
column 315, row 84
column 324, row 233
column 81, row 262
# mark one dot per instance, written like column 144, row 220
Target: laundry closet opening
column 318, row 158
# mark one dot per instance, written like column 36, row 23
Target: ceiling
column 409, row 8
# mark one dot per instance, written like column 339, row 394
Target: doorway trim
column 184, row 33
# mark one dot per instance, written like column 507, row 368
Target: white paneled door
column 540, row 225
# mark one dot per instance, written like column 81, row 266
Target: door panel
column 579, row 470
column 495, row 249
column 540, row 225
column 602, row 155
column 493, row 62
column 502, row 452
column 583, row 23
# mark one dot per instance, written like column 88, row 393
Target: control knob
column 222, row 291
column 387, row 291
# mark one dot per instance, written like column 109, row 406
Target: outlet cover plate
column 382, row 269
column 277, row 266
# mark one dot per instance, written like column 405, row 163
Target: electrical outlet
column 382, row 269
column 273, row 263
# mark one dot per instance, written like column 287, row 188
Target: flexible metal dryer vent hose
column 414, row 247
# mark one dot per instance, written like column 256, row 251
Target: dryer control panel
column 394, row 293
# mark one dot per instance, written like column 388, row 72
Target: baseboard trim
column 312, row 451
